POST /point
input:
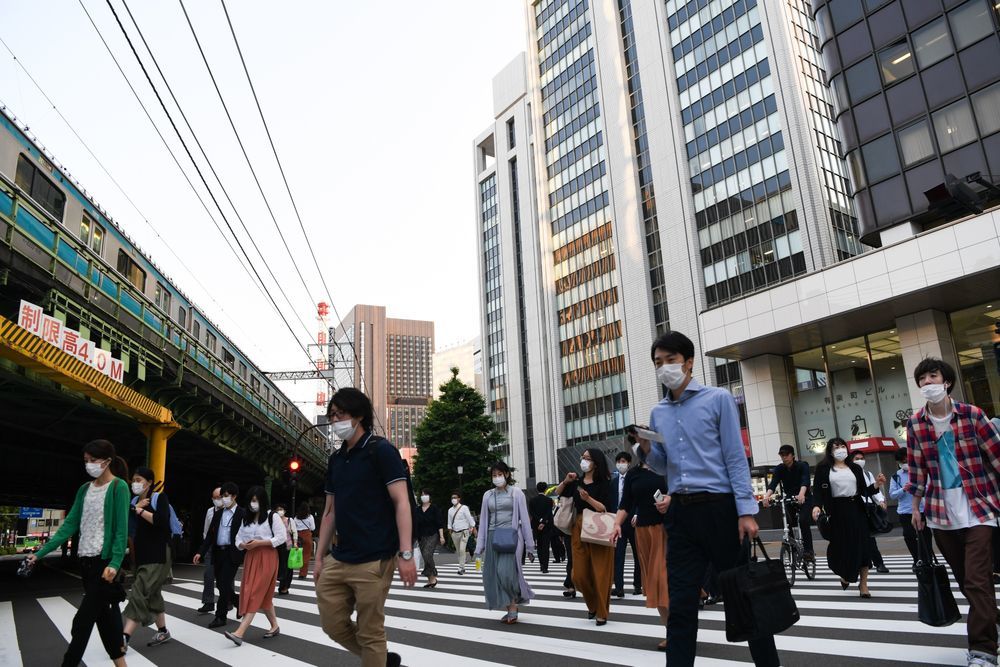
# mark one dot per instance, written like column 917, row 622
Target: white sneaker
column 976, row 659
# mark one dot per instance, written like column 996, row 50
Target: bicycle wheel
column 788, row 562
column 809, row 567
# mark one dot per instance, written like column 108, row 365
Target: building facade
column 462, row 357
column 391, row 360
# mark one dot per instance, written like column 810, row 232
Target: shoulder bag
column 597, row 528
column 935, row 603
column 504, row 539
column 758, row 598
column 565, row 515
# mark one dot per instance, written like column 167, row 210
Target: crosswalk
column 449, row 625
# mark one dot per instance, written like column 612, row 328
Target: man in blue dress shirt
column 711, row 504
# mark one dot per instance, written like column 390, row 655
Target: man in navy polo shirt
column 368, row 508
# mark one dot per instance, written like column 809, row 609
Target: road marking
column 61, row 613
column 10, row 652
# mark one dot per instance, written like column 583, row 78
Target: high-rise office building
column 462, row 357
column 391, row 360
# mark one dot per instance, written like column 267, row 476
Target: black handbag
column 935, row 603
column 878, row 518
column 823, row 523
column 758, row 598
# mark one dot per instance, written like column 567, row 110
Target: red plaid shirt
column 977, row 449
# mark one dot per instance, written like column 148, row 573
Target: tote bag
column 565, row 515
column 935, row 603
column 597, row 528
column 758, row 598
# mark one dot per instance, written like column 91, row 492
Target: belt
column 699, row 497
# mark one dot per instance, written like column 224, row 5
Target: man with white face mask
column 710, row 507
column 208, row 578
column 953, row 459
column 226, row 558
column 623, row 461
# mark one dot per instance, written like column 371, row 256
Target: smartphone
column 657, row 496
column 646, row 434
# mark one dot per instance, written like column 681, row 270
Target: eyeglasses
column 339, row 414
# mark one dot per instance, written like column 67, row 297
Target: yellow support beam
column 157, row 436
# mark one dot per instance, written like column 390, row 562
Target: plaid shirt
column 977, row 449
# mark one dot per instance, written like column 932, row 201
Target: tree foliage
column 455, row 432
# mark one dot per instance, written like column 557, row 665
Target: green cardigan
column 116, row 505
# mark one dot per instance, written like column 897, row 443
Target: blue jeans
column 698, row 535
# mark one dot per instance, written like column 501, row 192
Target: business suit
column 226, row 559
column 628, row 537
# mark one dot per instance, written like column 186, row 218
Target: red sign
column 745, row 433
column 882, row 444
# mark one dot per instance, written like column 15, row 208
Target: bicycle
column 792, row 552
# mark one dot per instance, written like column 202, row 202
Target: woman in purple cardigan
column 504, row 508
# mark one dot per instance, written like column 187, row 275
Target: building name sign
column 31, row 317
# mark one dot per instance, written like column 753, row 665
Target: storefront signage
column 32, row 318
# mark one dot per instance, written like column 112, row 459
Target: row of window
column 752, row 155
column 718, row 59
column 717, row 24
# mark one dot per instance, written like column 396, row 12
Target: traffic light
column 293, row 471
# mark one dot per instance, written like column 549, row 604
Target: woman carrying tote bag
column 505, row 534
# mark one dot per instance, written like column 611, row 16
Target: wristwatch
column 405, row 555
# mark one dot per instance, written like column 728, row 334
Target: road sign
column 30, row 513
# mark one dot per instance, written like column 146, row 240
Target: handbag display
column 295, row 558
column 565, row 515
column 935, row 603
column 597, row 528
column 758, row 598
column 878, row 518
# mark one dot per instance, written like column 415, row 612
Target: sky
column 373, row 107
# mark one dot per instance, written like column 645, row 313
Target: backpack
column 176, row 529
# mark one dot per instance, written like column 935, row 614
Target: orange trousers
column 306, row 542
column 593, row 571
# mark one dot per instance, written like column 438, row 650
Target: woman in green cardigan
column 100, row 514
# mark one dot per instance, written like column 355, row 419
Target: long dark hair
column 303, row 512
column 260, row 515
column 600, row 461
column 103, row 449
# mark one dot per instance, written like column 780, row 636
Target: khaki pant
column 460, row 538
column 344, row 587
column 593, row 570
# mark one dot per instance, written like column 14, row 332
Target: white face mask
column 840, row 454
column 254, row 506
column 861, row 462
column 671, row 375
column 138, row 488
column 281, row 513
column 217, row 502
column 585, row 465
column 94, row 468
column 425, row 499
column 622, row 468
column 344, row 429
column 227, row 501
column 499, row 480
column 934, row 393
column 454, row 501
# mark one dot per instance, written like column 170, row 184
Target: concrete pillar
column 157, row 436
column 769, row 407
column 926, row 334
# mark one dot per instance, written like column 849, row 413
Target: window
column 953, row 126
column 896, row 62
column 210, row 341
column 511, row 136
column 182, row 317
column 162, row 298
column 196, row 330
column 243, row 370
column 131, row 271
column 97, row 241
column 915, row 143
column 880, row 158
column 85, row 226
column 845, row 12
column 970, row 23
column 255, row 384
column 38, row 186
column 92, row 234
column 932, row 43
column 863, row 80
column 228, row 358
column 987, row 106
column 857, row 172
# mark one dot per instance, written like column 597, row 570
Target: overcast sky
column 373, row 107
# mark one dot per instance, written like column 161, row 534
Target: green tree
column 455, row 432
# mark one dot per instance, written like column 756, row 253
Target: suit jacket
column 615, row 498
column 213, row 531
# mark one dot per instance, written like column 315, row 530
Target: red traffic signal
column 294, row 465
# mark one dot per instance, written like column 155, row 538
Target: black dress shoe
column 217, row 623
column 591, row 615
column 637, row 591
column 618, row 593
column 393, row 660
column 206, row 608
column 882, row 569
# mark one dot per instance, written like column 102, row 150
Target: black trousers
column 95, row 608
column 699, row 535
column 910, row 537
column 628, row 537
column 225, row 577
column 568, row 546
column 558, row 548
column 543, row 540
column 284, row 572
column 804, row 517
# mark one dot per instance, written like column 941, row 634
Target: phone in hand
column 647, row 434
column 657, row 496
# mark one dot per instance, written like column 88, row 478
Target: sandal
column 510, row 618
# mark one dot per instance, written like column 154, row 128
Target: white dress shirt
column 261, row 531
column 225, row 526
column 459, row 518
column 209, row 515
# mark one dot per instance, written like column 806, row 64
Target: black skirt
column 849, row 549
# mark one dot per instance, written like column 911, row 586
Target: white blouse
column 92, row 520
column 843, row 483
column 260, row 531
column 308, row 524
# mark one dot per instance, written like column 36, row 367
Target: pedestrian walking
column 558, row 547
column 793, row 476
column 208, row 576
column 261, row 533
column 953, row 457
column 840, row 488
column 922, row 549
column 540, row 511
column 430, row 535
column 305, row 526
column 644, row 503
column 226, row 558
column 569, row 588
column 460, row 526
column 100, row 515
column 504, row 519
column 623, row 461
column 152, row 559
column 713, row 506
column 593, row 564
column 284, row 572
column 370, row 504
column 878, row 499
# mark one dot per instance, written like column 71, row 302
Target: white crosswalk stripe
column 450, row 625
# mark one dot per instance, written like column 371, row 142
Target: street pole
column 460, row 479
column 295, row 455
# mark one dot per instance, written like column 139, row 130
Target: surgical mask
column 861, row 462
column 934, row 393
column 217, row 502
column 425, row 499
column 622, row 468
column 281, row 513
column 500, row 480
column 254, row 506
column 344, row 429
column 138, row 488
column 900, row 465
column 94, row 469
column 454, row 501
column 671, row 375
column 227, row 501
column 840, row 454
column 585, row 465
